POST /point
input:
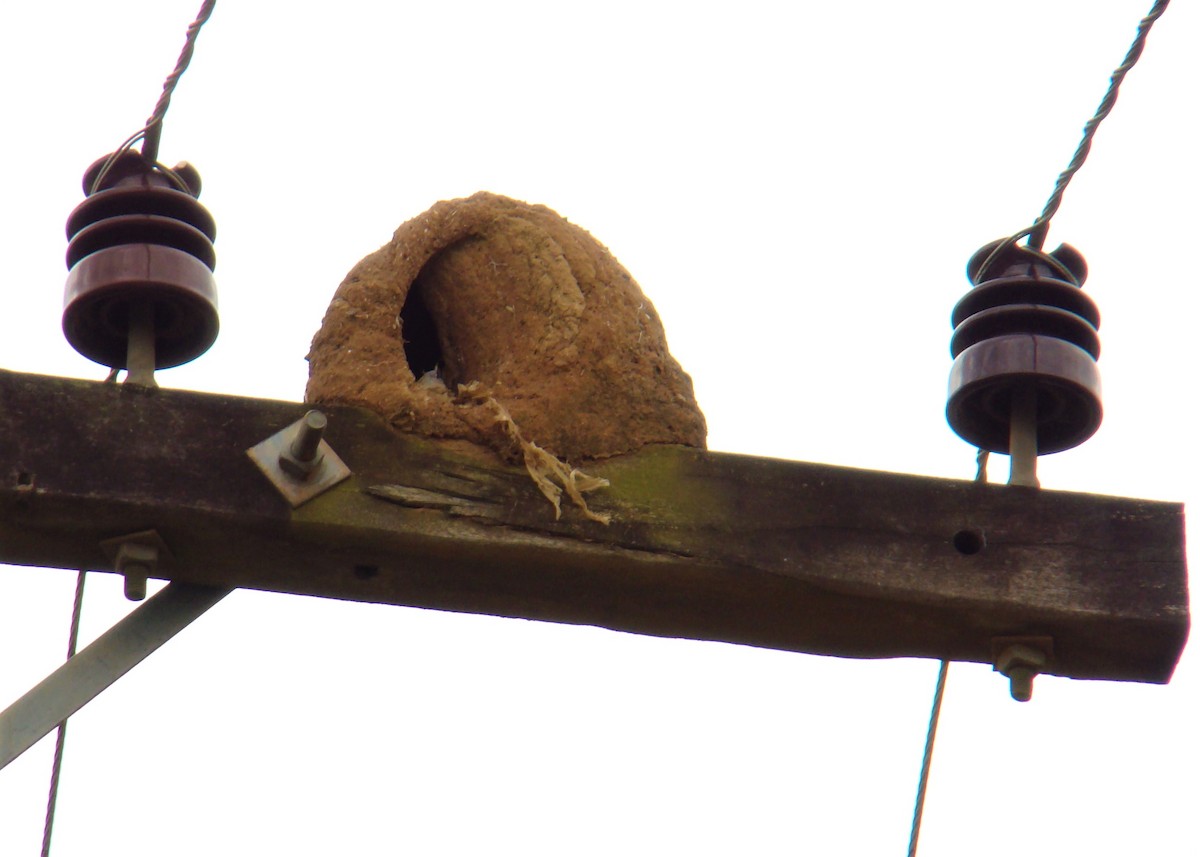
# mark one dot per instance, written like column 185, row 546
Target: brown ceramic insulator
column 984, row 376
column 1026, row 321
column 102, row 287
column 140, row 238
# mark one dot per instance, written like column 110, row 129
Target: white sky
column 797, row 187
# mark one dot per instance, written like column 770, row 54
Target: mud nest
column 501, row 323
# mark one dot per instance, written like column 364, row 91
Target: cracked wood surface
column 779, row 554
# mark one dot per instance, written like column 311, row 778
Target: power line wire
column 935, row 714
column 153, row 129
column 151, row 132
column 61, row 740
column 926, row 762
column 1036, row 232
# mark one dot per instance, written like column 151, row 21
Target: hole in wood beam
column 366, row 572
column 25, row 489
column 969, row 542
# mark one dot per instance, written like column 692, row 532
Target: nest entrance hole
column 422, row 346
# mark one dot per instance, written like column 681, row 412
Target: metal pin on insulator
column 140, row 294
column 1025, row 344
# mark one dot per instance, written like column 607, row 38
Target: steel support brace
column 114, row 653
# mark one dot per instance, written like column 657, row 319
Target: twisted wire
column 1037, row 232
column 981, row 463
column 61, row 740
column 153, row 127
column 151, row 132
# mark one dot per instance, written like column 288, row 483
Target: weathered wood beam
column 778, row 554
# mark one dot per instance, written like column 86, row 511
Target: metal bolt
column 1020, row 663
column 1023, row 436
column 308, row 439
column 303, row 455
column 139, row 358
column 299, row 463
column 136, row 576
column 136, row 561
column 1020, row 683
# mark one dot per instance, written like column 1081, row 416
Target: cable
column 981, row 462
column 153, row 129
column 1036, row 232
column 934, row 715
column 61, row 741
column 150, row 133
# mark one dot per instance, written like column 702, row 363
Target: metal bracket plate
column 299, row 480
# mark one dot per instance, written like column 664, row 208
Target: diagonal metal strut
column 118, row 650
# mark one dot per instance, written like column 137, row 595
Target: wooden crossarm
column 779, row 554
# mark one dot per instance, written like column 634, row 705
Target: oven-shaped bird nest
column 494, row 321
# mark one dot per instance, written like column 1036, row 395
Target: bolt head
column 1020, row 656
column 297, row 469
